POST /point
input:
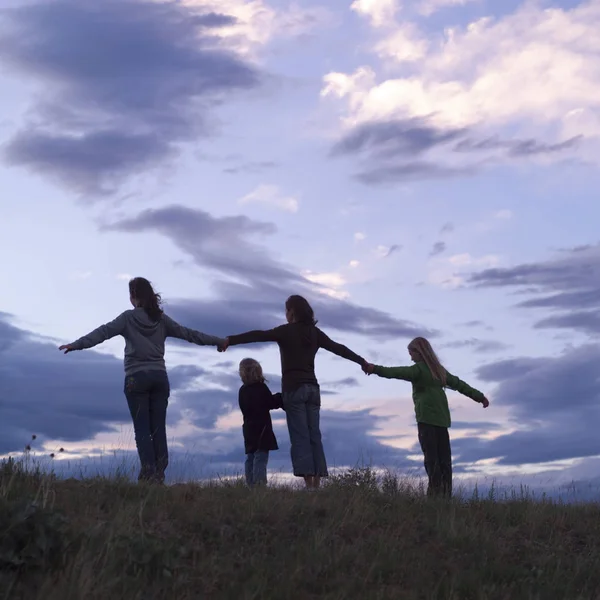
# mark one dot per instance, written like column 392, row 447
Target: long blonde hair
column 423, row 348
column 251, row 371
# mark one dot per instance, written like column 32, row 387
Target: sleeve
column 252, row 337
column 458, row 385
column 339, row 349
column 411, row 373
column 275, row 400
column 175, row 330
column 102, row 333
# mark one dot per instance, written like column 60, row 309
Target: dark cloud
column 219, row 243
column 71, row 397
column 125, row 82
column 568, row 283
column 516, row 148
column 554, row 406
column 396, row 150
column 481, row 346
column 256, row 296
column 409, row 171
column 447, row 228
column 384, row 139
column 438, row 248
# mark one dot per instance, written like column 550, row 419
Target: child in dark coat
column 256, row 401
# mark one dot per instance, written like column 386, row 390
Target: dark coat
column 256, row 400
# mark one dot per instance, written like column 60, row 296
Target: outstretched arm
column 180, row 332
column 99, row 335
column 406, row 373
column 458, row 385
column 258, row 335
column 339, row 349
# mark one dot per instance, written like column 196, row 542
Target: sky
column 425, row 167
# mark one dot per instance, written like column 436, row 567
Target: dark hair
column 141, row 289
column 302, row 310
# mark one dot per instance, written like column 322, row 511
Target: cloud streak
column 567, row 284
column 260, row 286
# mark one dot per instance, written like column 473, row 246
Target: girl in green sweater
column 429, row 380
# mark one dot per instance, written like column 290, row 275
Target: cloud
column 415, row 148
column 251, row 167
column 453, row 271
column 125, row 83
column 531, row 72
column 223, row 244
column 480, row 346
column 270, row 195
column 567, row 283
column 394, row 138
column 554, row 406
column 256, row 23
column 428, row 7
column 438, row 248
column 517, row 148
column 378, row 11
column 387, row 251
column 260, row 285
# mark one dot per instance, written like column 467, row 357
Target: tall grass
column 365, row 535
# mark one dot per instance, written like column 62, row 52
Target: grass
column 359, row 537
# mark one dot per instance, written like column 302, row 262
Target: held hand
column 485, row 402
column 224, row 346
column 367, row 368
column 67, row 348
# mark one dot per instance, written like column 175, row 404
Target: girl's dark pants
column 147, row 394
column 435, row 443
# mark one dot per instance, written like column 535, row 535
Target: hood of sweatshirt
column 146, row 326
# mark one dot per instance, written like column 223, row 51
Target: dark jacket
column 256, row 400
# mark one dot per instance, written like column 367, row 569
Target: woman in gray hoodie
column 147, row 390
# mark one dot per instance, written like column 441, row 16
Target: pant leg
column 159, row 401
column 297, row 422
column 249, row 466
column 138, row 400
column 261, row 459
column 313, row 412
column 428, row 441
column 445, row 460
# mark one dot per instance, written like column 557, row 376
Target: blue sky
column 423, row 167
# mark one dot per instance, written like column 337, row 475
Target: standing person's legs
column 428, row 441
column 159, row 400
column 313, row 412
column 445, row 460
column 261, row 459
column 138, row 400
column 250, row 469
column 297, row 421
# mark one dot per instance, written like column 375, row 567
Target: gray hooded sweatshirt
column 144, row 339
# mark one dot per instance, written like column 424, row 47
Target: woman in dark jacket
column 256, row 401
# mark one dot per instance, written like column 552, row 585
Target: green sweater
column 429, row 397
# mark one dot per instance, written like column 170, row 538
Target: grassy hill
column 111, row 539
